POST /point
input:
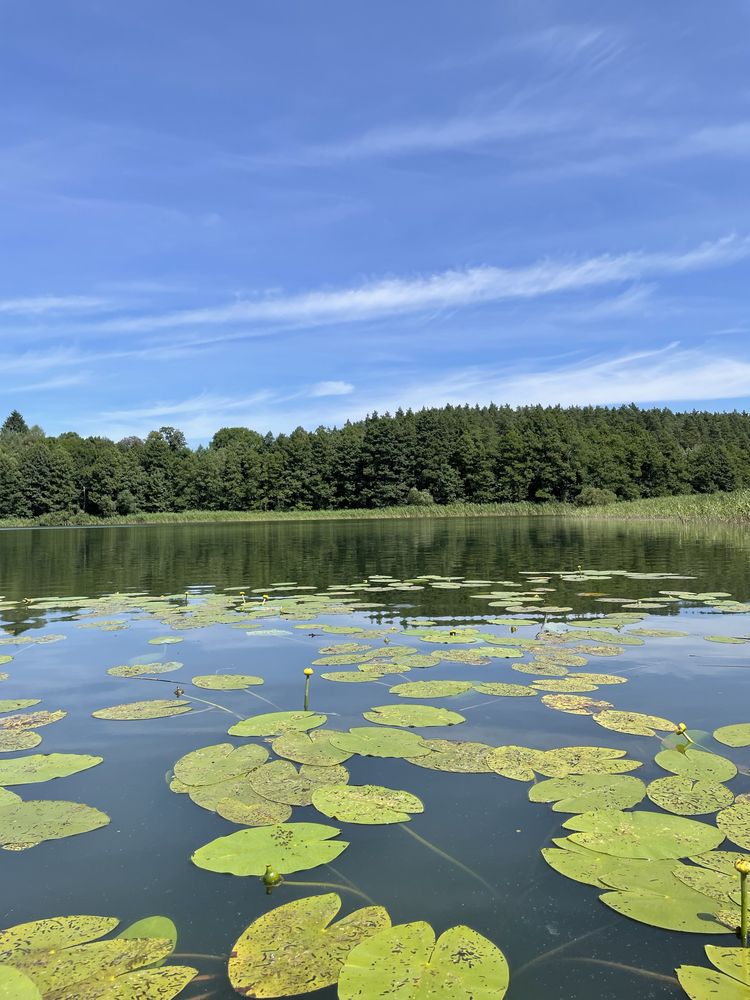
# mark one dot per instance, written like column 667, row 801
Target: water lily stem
column 331, row 885
column 556, row 951
column 743, row 867
column 449, row 857
column 266, row 700
column 635, row 969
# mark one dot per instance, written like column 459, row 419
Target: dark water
column 140, row 864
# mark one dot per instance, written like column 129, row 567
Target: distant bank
column 707, row 507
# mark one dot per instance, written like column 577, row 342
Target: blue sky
column 276, row 214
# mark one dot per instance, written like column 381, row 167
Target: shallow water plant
column 287, row 847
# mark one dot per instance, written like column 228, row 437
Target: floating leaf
column 642, row 834
column 664, row 633
column 674, row 909
column 589, row 867
column 280, row 781
column 542, row 668
column 697, row 764
column 431, row 689
column 43, row 767
column 212, row 764
column 462, row 965
column 136, row 711
column 734, row 736
column 276, row 723
column 15, row 985
column 410, row 716
column 635, row 723
column 31, row 720
column 731, row 982
column 21, row 739
column 583, row 792
column 26, row 824
column 519, row 763
column 310, row 748
column 501, row 690
column 236, row 800
column 144, row 669
column 286, row 847
column 565, row 685
column 13, row 704
column 717, row 885
column 377, row 741
column 729, row 639
column 719, row 861
column 371, row 804
column 734, row 822
column 295, row 948
column 575, row 704
column 352, row 676
column 455, row 756
column 687, row 796
column 226, row 682
column 165, row 640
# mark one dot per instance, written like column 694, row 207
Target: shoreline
column 727, row 508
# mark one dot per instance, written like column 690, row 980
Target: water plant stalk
column 339, row 886
column 308, row 674
column 743, row 867
column 449, row 857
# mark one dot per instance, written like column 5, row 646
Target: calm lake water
column 140, row 863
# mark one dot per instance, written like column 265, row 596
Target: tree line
column 487, row 454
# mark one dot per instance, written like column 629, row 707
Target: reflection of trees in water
column 169, row 558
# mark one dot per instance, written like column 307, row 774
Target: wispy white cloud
column 46, row 385
column 41, row 305
column 202, row 403
column 446, row 289
column 331, row 389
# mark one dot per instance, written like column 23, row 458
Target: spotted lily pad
column 295, row 948
column 734, row 736
column 31, row 720
column 378, row 741
column 412, row 716
column 734, row 822
column 575, row 704
column 674, row 908
column 21, row 739
column 431, row 689
column 13, row 704
column 583, row 792
column 310, row 748
column 720, row 861
column 687, row 796
column 144, row 669
column 732, row 640
column 236, row 800
column 43, row 767
column 461, row 965
column 136, row 711
column 280, row 781
column 370, row 804
column 15, row 985
column 165, row 640
column 226, row 682
column 286, row 847
column 697, row 764
column 26, row 824
column 501, row 690
column 517, row 762
column 212, row 764
column 276, row 723
column 642, row 834
column 457, row 756
column 635, row 723
column 730, row 982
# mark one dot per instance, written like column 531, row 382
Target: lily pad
column 579, row 864
column 137, row 711
column 730, row 982
column 286, row 847
column 575, row 704
column 26, row 824
column 642, row 834
column 734, row 736
column 635, row 723
column 720, row 861
column 461, row 965
column 697, row 764
column 412, row 716
column 226, row 682
column 21, row 739
column 732, row 640
column 457, row 756
column 310, row 748
column 688, row 796
column 212, row 764
column 516, row 762
column 237, row 801
column 31, row 720
column 15, row 985
column 165, row 640
column 431, row 689
column 43, row 767
column 144, row 669
column 276, row 723
column 542, row 668
column 565, row 685
column 583, row 792
column 295, row 948
column 13, row 704
column 734, row 822
column 377, row 741
column 674, row 909
column 280, row 781
column 501, row 690
column 370, row 804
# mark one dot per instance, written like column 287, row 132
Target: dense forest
column 486, row 454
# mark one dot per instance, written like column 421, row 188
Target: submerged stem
column 331, row 885
column 556, row 950
column 449, row 857
column 635, row 969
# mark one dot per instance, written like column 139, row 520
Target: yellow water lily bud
column 308, row 671
column 742, row 865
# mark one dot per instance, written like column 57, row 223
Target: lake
column 473, row 856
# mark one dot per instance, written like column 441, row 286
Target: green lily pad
column 310, row 748
column 286, row 847
column 679, row 909
column 565, row 685
column 501, row 690
column 137, row 711
column 21, row 739
column 720, row 861
column 226, row 682
column 13, row 704
column 462, row 965
column 732, row 640
column 642, row 834
column 212, row 764
column 717, row 885
column 26, row 824
column 31, row 720
column 730, row 982
column 688, row 796
column 15, row 985
column 370, row 804
column 352, row 676
column 377, row 741
column 635, row 723
column 276, row 723
column 236, row 800
column 583, row 792
column 165, row 640
column 412, row 716
column 734, row 736
column 697, row 764
column 579, row 864
column 280, row 781
column 5, row 658
column 295, row 948
column 575, row 704
column 144, row 669
column 457, row 756
column 516, row 762
column 43, row 767
column 663, row 633
column 431, row 689
column 734, row 823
